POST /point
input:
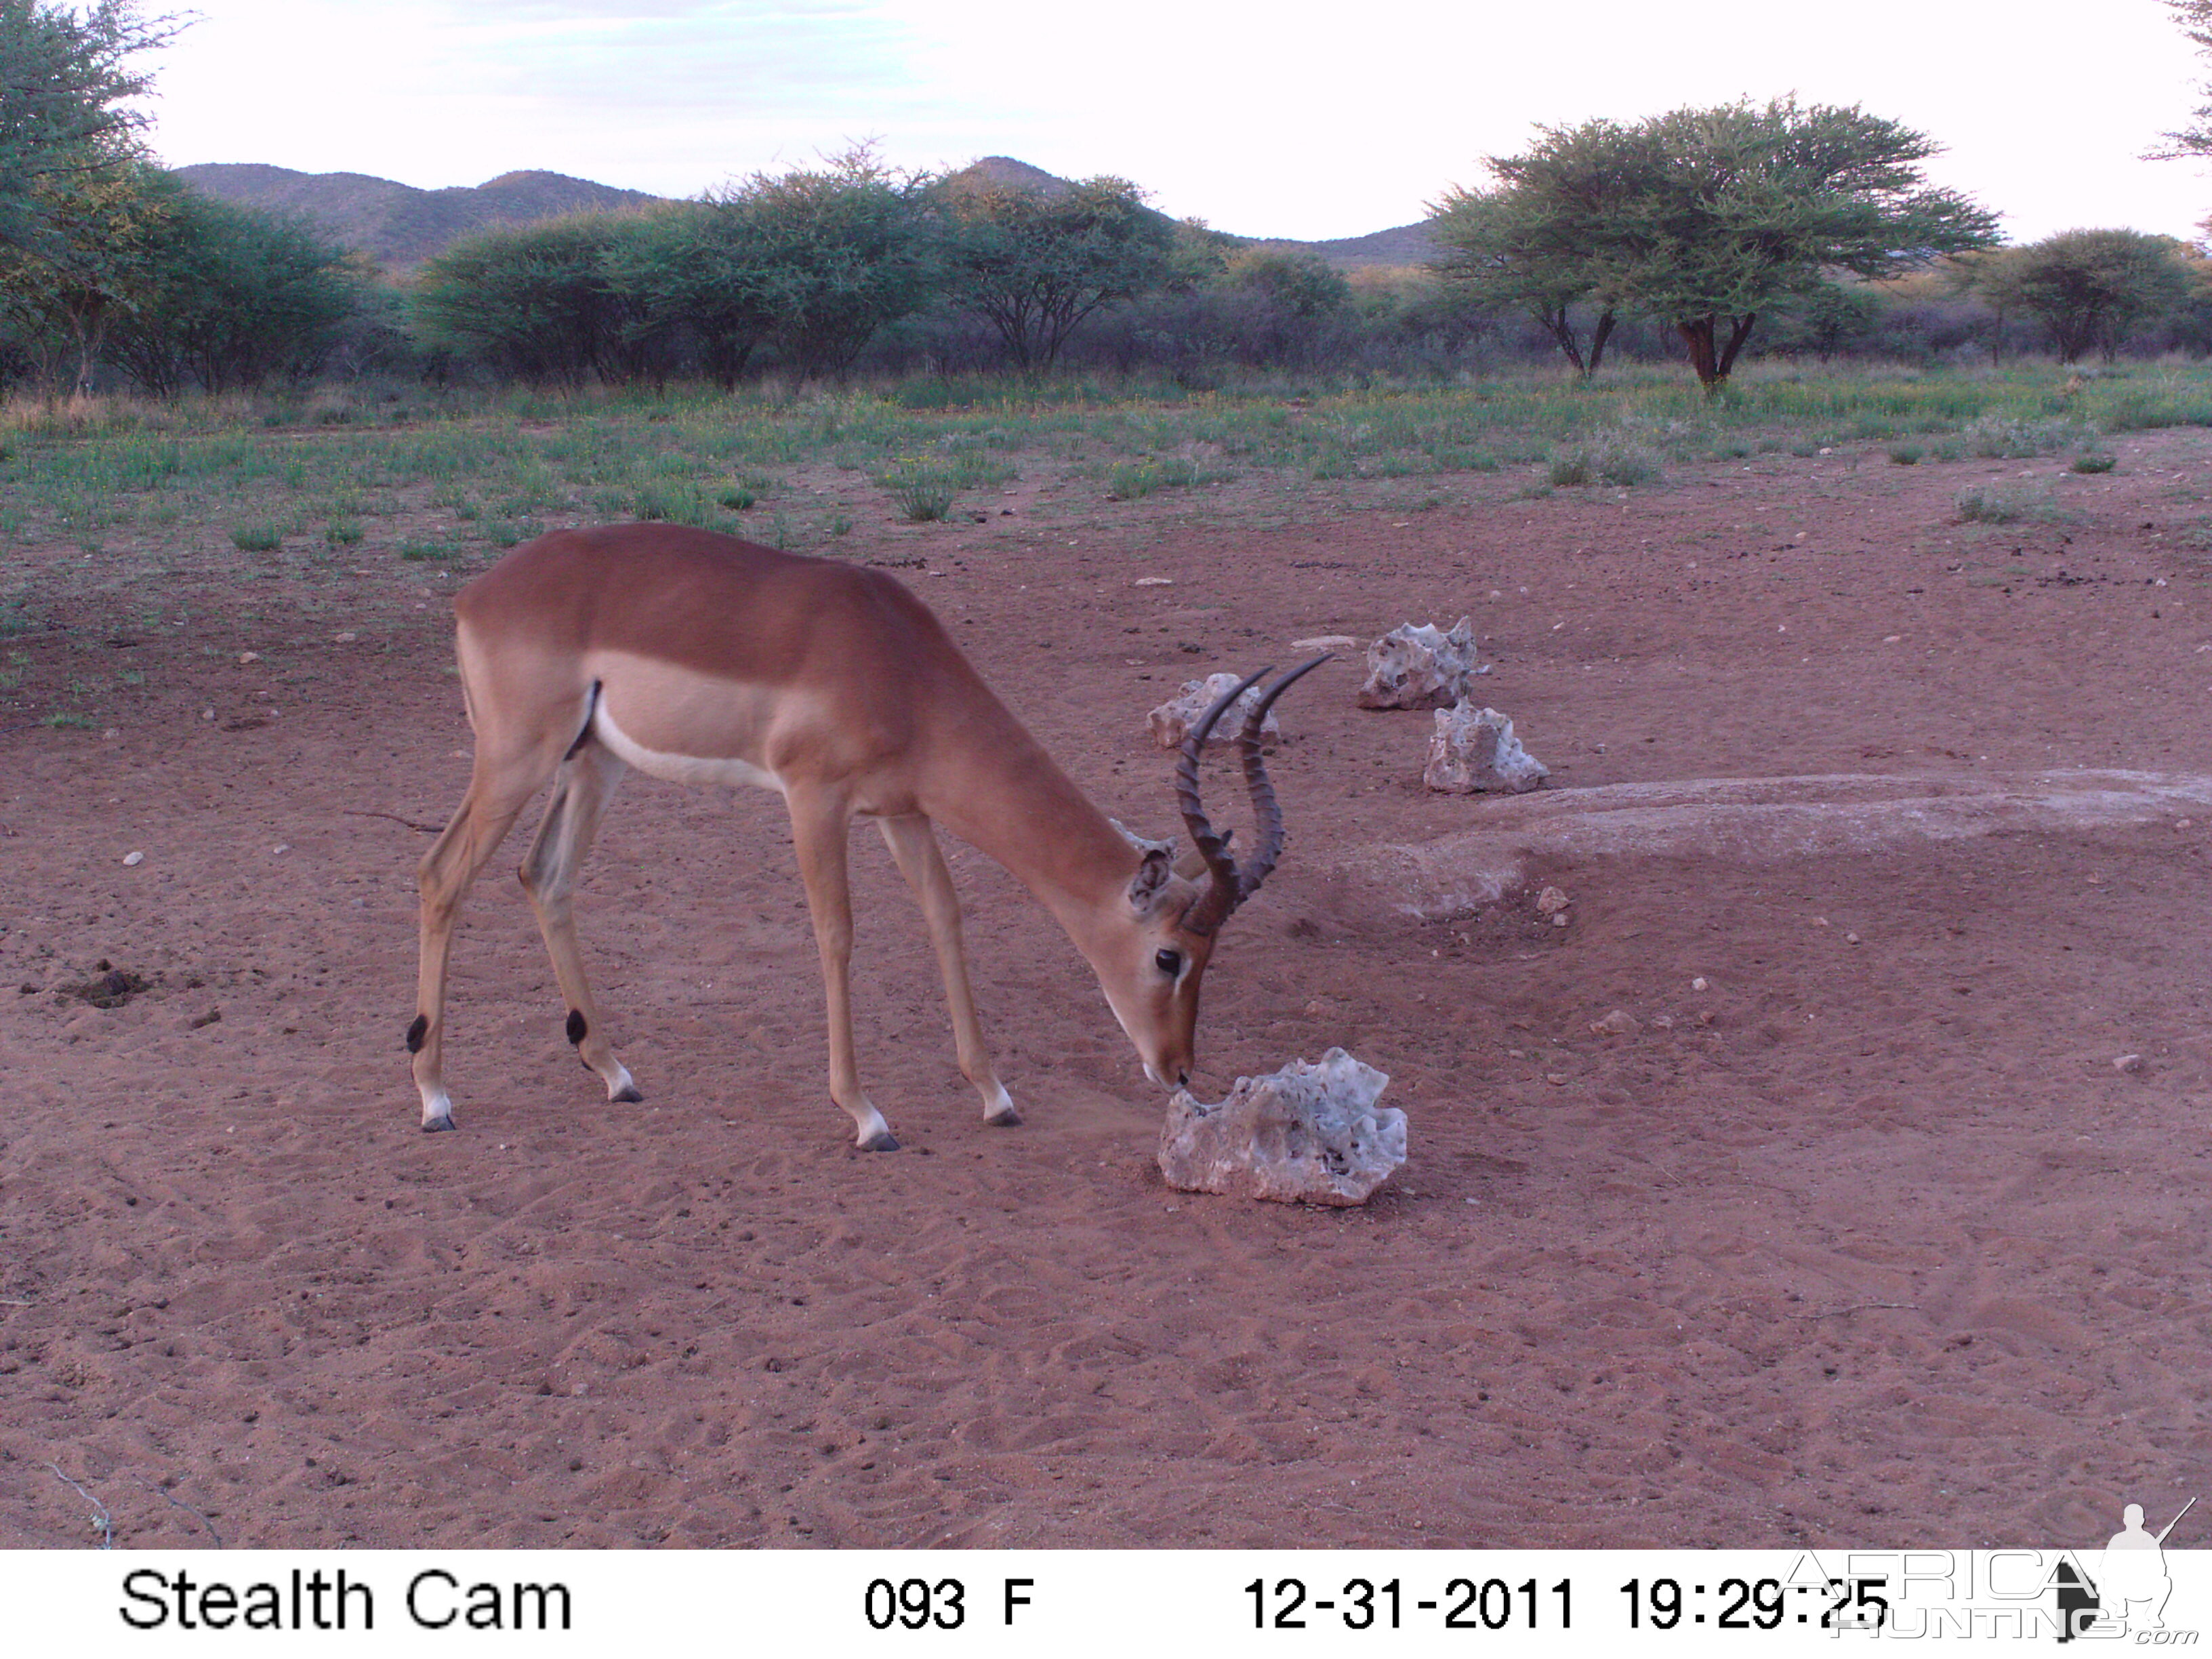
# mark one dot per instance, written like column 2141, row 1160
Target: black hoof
column 439, row 1125
column 1009, row 1119
column 885, row 1142
column 628, row 1095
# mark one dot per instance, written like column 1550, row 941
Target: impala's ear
column 1141, row 843
column 1154, row 871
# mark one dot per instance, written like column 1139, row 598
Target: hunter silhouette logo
column 2131, row 1586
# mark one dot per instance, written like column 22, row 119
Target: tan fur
column 716, row 660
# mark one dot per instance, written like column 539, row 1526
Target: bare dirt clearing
column 1867, row 1238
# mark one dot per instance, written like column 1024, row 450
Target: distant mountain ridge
column 401, row 226
column 398, row 224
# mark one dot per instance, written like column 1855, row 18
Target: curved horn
column 1231, row 886
column 1219, row 899
column 1267, row 815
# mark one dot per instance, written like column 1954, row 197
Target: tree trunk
column 1555, row 322
column 1738, row 331
column 1598, row 337
column 1698, row 334
column 1712, row 359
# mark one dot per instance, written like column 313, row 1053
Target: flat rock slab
column 1306, row 1134
column 1757, row 820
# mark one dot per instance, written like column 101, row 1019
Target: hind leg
column 495, row 797
column 582, row 790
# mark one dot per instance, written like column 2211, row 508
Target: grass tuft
column 922, row 490
column 2010, row 503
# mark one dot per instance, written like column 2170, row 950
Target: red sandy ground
column 1886, row 1249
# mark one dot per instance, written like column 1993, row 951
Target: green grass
column 1130, row 481
column 1619, row 458
column 2010, row 503
column 922, row 490
column 488, row 469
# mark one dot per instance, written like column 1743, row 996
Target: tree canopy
column 65, row 76
column 536, row 301
column 229, row 296
column 1034, row 263
column 1527, row 243
column 1702, row 219
column 2195, row 17
column 841, row 251
column 698, row 271
column 2087, row 287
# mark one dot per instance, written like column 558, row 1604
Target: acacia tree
column 540, row 302
column 2087, row 287
column 231, row 296
column 840, row 253
column 65, row 74
column 1526, row 243
column 92, row 263
column 1035, row 262
column 74, row 212
column 697, row 270
column 2195, row 17
column 1702, row 219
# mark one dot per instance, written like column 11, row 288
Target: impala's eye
column 1168, row 962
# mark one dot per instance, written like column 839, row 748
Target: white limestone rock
column 1473, row 752
column 1172, row 720
column 1306, row 1134
column 1423, row 667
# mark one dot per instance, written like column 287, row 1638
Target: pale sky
column 1278, row 119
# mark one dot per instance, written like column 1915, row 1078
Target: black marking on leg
column 415, row 1033
column 578, row 1026
column 584, row 736
column 629, row 1096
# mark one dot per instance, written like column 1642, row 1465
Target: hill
column 399, row 224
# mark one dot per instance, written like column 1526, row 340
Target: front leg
column 922, row 861
column 818, row 820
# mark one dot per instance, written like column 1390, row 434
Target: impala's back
column 714, row 659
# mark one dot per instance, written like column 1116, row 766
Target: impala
column 702, row 659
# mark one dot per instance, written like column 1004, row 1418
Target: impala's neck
column 1007, row 797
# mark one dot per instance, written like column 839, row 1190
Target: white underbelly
column 678, row 769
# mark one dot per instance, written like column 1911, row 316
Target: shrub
column 669, row 500
column 257, row 539
column 2000, row 439
column 540, row 302
column 2094, row 461
column 1906, row 454
column 1613, row 457
column 235, row 297
column 1133, row 479
column 923, row 492
column 2008, row 503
